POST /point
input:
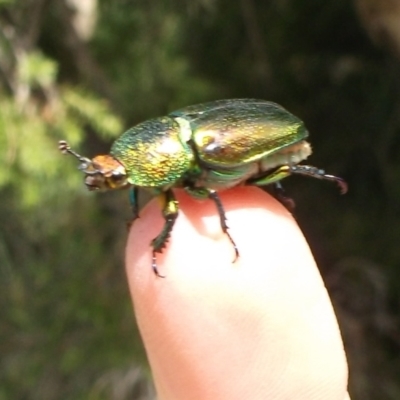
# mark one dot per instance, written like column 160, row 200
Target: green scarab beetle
column 204, row 148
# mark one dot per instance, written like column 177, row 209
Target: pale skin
column 262, row 328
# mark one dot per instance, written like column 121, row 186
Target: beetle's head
column 101, row 173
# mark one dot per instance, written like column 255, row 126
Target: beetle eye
column 117, row 177
column 116, row 180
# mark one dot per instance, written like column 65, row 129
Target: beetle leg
column 270, row 177
column 134, row 201
column 170, row 211
column 307, row 170
column 280, row 194
column 203, row 193
column 314, row 172
column 222, row 217
column 278, row 190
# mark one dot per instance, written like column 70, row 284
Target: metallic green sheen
column 153, row 154
column 231, row 133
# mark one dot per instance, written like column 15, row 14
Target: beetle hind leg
column 315, row 172
column 307, row 170
column 170, row 212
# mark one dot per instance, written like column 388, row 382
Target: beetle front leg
column 170, row 210
column 203, row 193
column 134, row 201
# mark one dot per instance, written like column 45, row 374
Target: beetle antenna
column 63, row 146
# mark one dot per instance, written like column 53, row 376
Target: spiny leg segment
column 204, row 193
column 222, row 217
column 170, row 210
column 314, row 172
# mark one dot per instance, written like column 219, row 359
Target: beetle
column 204, row 149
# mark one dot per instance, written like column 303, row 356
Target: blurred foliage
column 63, row 335
column 155, row 75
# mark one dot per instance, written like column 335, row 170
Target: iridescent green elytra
column 204, row 148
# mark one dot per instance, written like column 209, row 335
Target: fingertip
column 264, row 321
column 252, row 217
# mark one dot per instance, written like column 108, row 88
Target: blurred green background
column 84, row 70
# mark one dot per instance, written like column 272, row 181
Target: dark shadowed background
column 85, row 70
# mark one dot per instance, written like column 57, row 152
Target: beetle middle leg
column 203, row 193
column 268, row 179
column 170, row 212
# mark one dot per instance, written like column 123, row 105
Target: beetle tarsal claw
column 234, row 246
column 342, row 185
column 154, row 265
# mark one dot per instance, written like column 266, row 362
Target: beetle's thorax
column 154, row 153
